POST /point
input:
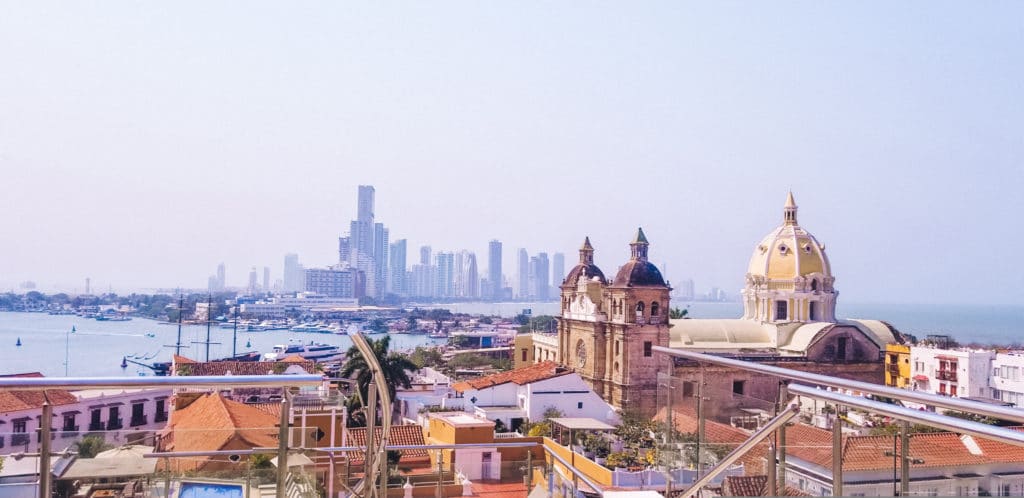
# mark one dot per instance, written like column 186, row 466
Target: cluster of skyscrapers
column 370, row 264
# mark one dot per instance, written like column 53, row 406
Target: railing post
column 700, row 423
column 370, row 487
column 282, row 445
column 772, row 477
column 440, row 473
column 905, row 460
column 837, row 455
column 44, row 448
column 780, row 434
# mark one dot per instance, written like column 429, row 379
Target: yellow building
column 897, row 365
column 522, row 351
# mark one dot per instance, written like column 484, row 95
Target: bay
column 97, row 347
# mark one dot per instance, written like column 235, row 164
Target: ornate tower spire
column 587, row 252
column 639, row 246
column 789, row 210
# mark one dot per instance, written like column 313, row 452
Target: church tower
column 607, row 329
column 789, row 278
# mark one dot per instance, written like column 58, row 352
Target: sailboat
column 18, row 343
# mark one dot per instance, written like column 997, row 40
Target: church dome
column 586, row 266
column 789, row 251
column 638, row 271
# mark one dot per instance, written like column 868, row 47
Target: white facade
column 950, row 372
column 568, row 394
column 121, row 416
column 1007, row 378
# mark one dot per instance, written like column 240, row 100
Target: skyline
column 141, row 147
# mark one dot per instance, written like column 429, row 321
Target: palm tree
column 394, row 366
column 90, row 446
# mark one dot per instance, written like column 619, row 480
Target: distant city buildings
column 294, row 274
column 494, row 275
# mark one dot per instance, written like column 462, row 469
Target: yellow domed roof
column 789, row 251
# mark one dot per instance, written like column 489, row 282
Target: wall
column 565, row 393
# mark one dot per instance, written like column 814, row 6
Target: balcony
column 20, row 439
column 69, row 431
column 160, row 417
column 137, row 421
column 893, row 369
column 95, row 426
column 114, row 424
column 949, row 375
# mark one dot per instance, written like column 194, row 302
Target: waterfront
column 96, row 348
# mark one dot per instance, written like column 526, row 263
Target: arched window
column 654, row 308
column 814, row 284
column 640, row 307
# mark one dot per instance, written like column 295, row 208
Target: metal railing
column 76, row 383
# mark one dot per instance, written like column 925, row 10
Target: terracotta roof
column 12, row 401
column 939, row 449
column 399, row 434
column 293, row 359
column 525, row 375
column 212, row 421
column 497, row 489
column 1003, row 452
column 179, row 360
column 745, row 485
column 241, row 367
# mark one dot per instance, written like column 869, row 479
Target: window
column 841, row 348
column 781, row 310
column 114, row 418
column 814, row 311
column 95, row 421
column 687, row 389
column 647, row 348
column 524, row 354
column 579, row 405
column 654, row 309
column 161, row 411
column 814, row 283
column 138, row 414
column 20, row 426
column 616, row 348
column 737, row 387
column 69, row 423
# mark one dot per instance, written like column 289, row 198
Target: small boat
column 18, row 343
column 248, row 343
column 150, row 334
column 124, row 362
column 312, row 351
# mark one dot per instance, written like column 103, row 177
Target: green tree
column 677, row 313
column 426, row 357
column 394, row 366
column 90, row 446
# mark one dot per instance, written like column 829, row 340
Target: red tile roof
column 495, row 489
column 13, row 401
column 211, row 422
column 239, row 367
column 520, row 376
column 399, row 434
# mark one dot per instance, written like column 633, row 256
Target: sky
column 143, row 143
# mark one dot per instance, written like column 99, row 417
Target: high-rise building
column 425, row 255
column 397, row 272
column 381, row 247
column 541, row 276
column 294, row 274
column 336, row 281
column 557, row 269
column 423, row 281
column 366, row 195
column 266, row 279
column 345, row 250
column 361, row 230
column 445, row 273
column 221, row 282
column 494, row 269
column 523, row 269
column 470, row 276
column 254, row 283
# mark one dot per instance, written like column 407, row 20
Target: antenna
column 209, row 306
column 177, row 346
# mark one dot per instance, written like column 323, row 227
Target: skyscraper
column 541, row 277
column 345, row 250
column 266, row 279
column 470, row 276
column 361, row 230
column 221, row 283
column 396, row 258
column 294, row 274
column 381, row 247
column 494, row 269
column 523, row 269
column 253, row 281
column 445, row 274
column 557, row 269
column 425, row 255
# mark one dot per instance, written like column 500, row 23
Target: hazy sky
column 142, row 143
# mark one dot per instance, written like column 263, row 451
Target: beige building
column 607, row 328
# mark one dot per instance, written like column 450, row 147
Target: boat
column 312, row 327
column 314, row 351
column 18, row 343
column 150, row 334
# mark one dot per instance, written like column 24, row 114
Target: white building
column 526, row 393
column 121, row 416
column 1006, row 381
column 951, row 372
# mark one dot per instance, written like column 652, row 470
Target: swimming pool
column 210, row 490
